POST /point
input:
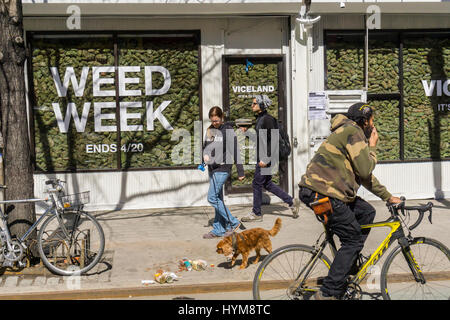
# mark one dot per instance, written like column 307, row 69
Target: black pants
column 345, row 222
column 265, row 181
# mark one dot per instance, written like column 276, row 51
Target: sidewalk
column 139, row 242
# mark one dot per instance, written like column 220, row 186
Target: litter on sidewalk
column 199, row 265
column 165, row 276
column 188, row 265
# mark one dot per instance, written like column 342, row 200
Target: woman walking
column 215, row 155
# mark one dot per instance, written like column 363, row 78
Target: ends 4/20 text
column 105, row 148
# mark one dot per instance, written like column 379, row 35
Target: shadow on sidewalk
column 251, row 260
column 444, row 202
column 208, row 211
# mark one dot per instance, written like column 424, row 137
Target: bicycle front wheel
column 433, row 261
column 289, row 273
column 71, row 242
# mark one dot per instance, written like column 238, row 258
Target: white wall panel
column 254, row 36
column 418, row 180
column 134, row 189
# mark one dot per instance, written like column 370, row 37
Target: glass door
column 244, row 78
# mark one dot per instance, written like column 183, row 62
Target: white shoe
column 252, row 217
column 295, row 208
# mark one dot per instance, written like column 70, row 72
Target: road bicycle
column 70, row 241
column 417, row 268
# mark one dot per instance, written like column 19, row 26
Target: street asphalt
column 140, row 242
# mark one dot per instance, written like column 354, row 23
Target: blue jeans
column 223, row 220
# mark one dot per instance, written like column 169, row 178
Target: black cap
column 359, row 111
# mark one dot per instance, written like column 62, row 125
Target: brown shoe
column 320, row 296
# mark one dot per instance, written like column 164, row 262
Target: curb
column 164, row 289
column 131, row 291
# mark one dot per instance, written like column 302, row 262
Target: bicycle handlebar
column 55, row 191
column 56, row 184
column 53, row 182
column 422, row 209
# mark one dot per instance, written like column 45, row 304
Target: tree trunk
column 14, row 125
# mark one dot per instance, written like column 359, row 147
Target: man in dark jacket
column 264, row 147
column 341, row 164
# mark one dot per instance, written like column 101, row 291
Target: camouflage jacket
column 342, row 163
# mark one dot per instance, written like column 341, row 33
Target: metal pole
column 366, row 55
column 2, row 180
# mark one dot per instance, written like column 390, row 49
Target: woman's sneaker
column 210, row 235
column 232, row 230
column 252, row 217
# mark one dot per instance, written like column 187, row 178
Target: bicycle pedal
column 363, row 258
column 7, row 264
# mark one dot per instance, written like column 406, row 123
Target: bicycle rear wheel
column 433, row 259
column 275, row 278
column 71, row 244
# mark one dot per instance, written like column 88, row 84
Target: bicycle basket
column 75, row 200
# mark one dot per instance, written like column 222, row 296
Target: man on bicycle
column 342, row 163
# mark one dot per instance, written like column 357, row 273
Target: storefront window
column 91, row 114
column 427, row 97
column 407, row 79
column 383, row 61
column 68, row 98
column 387, row 124
column 345, row 62
column 171, row 64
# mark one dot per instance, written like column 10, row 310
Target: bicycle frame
column 34, row 226
column 31, row 229
column 318, row 252
column 396, row 233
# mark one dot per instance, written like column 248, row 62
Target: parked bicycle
column 417, row 268
column 70, row 240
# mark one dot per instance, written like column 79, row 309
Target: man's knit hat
column 263, row 101
column 359, row 111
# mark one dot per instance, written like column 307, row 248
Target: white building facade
column 113, row 86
